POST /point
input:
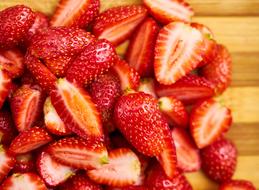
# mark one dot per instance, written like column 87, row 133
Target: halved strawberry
column 79, row 14
column 52, row 172
column 174, row 111
column 188, row 157
column 147, row 85
column 208, row 121
column 188, row 89
column 123, row 169
column 26, row 105
column 237, row 185
column 5, row 86
column 7, row 128
column 29, row 140
column 179, row 50
column 118, row 23
column 30, row 181
column 79, row 153
column 140, row 52
column 6, row 164
column 24, row 163
column 76, row 109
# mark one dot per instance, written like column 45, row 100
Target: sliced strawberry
column 7, row 128
column 6, row 164
column 15, row 23
column 205, row 30
column 24, row 163
column 26, row 106
column 208, row 120
column 174, row 111
column 128, row 188
column 123, row 169
column 52, row 172
column 140, row 52
column 188, row 89
column 219, row 71
column 79, row 14
column 52, row 120
column 5, row 86
column 30, row 140
column 178, row 51
column 30, row 181
column 76, row 109
column 118, row 23
column 147, row 85
column 237, row 185
column 219, row 160
column 95, row 60
column 12, row 90
column 188, row 157
column 79, row 153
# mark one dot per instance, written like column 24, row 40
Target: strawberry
column 26, row 106
column 188, row 156
column 178, row 51
column 28, row 78
column 29, row 140
column 105, row 92
column 174, row 111
column 157, row 180
column 170, row 10
column 5, row 86
column 147, row 85
column 11, row 61
column 188, row 89
column 79, row 153
column 6, row 164
column 128, row 188
column 7, row 129
column 30, row 181
column 237, row 185
column 80, row 14
column 140, row 52
column 52, row 172
column 12, row 89
column 96, row 59
column 52, row 120
column 138, row 117
column 208, row 120
column 123, row 169
column 14, row 25
column 24, row 163
column 219, row 160
column 219, row 71
column 118, row 23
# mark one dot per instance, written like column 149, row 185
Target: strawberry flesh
column 7, row 128
column 147, row 85
column 6, row 164
column 5, row 86
column 24, row 163
column 237, row 185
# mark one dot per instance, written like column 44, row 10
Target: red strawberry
column 188, row 157
column 167, row 11
column 5, row 86
column 138, row 117
column 52, row 172
column 80, row 182
column 174, row 111
column 178, row 51
column 105, row 92
column 147, row 85
column 140, row 53
column 52, row 120
column 157, row 180
column 118, row 23
column 24, row 163
column 79, row 153
column 219, row 160
column 30, row 140
column 188, row 89
column 12, row 90
column 30, row 181
column 6, row 164
column 128, row 188
column 208, row 120
column 237, row 185
column 79, row 14
column 129, row 77
column 14, row 25
column 219, row 71
column 96, row 59
column 123, row 169
column 7, row 129
column 26, row 106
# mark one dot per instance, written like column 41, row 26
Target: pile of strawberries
column 76, row 116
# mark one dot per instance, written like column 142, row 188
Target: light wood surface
column 235, row 24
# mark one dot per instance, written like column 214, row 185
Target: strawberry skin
column 208, row 121
column 140, row 53
column 6, row 164
column 118, row 23
column 7, row 129
column 237, row 185
column 14, row 25
column 79, row 14
column 5, row 86
column 24, row 163
column 219, row 160
column 128, row 188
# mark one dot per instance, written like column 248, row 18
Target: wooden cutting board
column 235, row 24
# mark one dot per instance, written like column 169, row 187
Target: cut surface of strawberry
column 5, row 86
column 237, row 185
column 7, row 128
column 7, row 162
column 208, row 121
column 147, row 85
